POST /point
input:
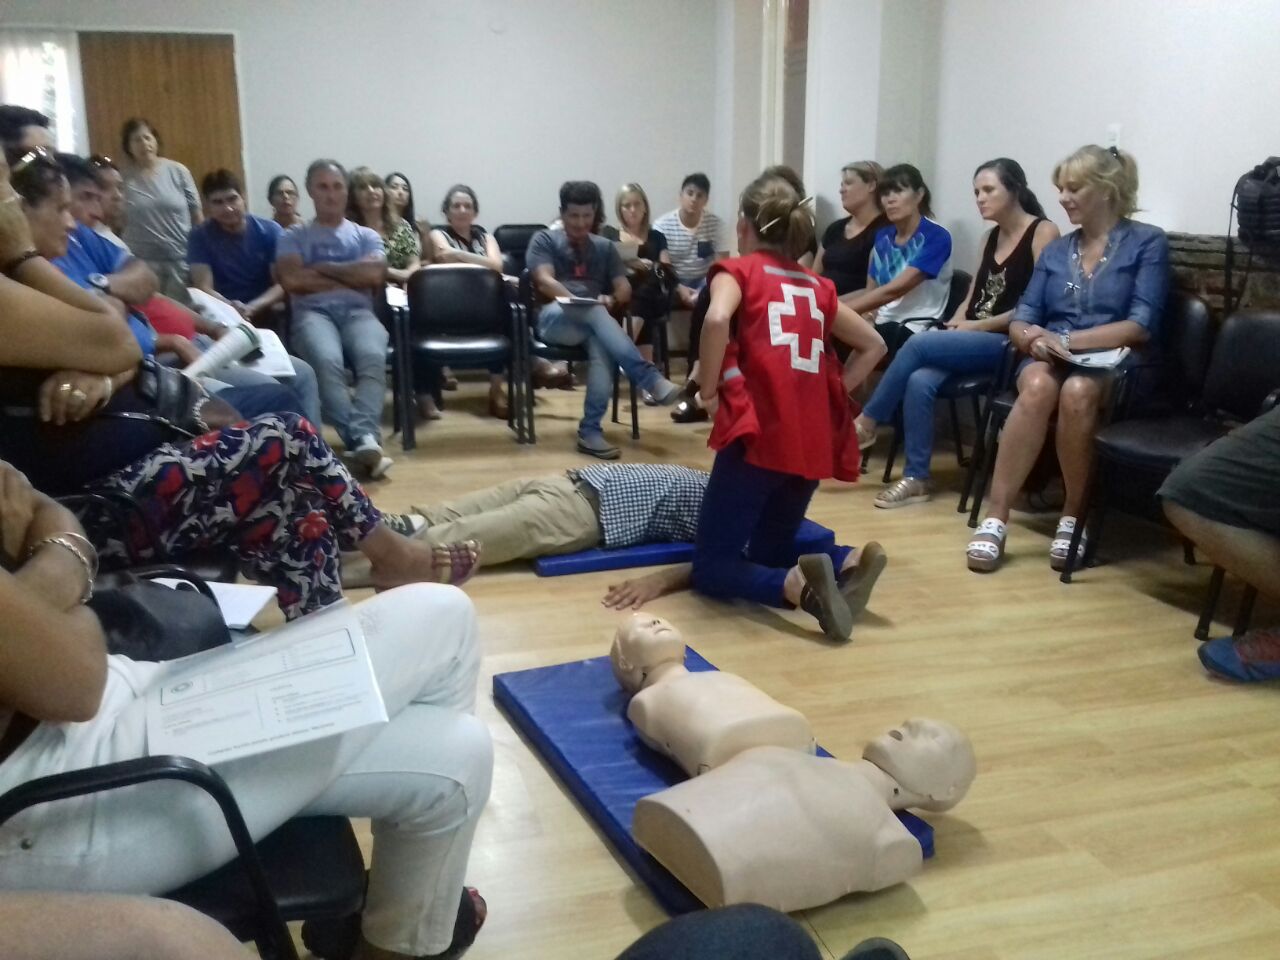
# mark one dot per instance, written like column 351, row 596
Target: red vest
column 780, row 388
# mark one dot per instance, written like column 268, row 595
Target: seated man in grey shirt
column 573, row 262
column 331, row 268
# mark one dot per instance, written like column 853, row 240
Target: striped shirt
column 692, row 251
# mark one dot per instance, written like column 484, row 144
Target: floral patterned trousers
column 269, row 490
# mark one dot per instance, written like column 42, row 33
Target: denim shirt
column 1132, row 284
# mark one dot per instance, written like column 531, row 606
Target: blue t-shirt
column 346, row 243
column 585, row 271
column 929, row 251
column 241, row 262
column 87, row 254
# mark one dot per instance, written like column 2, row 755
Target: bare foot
column 452, row 563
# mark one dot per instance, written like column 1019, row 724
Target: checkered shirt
column 646, row 502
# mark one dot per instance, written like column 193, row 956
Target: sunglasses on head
column 39, row 156
column 102, row 162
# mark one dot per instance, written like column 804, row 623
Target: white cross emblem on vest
column 780, row 337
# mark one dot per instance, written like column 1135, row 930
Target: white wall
column 1194, row 86
column 512, row 98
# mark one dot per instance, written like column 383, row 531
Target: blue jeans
column 746, row 931
column 329, row 338
column 260, row 400
column 608, row 348
column 920, row 368
column 746, row 539
column 302, row 383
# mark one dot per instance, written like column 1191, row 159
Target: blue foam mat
column 810, row 538
column 574, row 715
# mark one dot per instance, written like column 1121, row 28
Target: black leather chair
column 311, row 868
column 395, row 320
column 461, row 316
column 1138, row 452
column 513, row 240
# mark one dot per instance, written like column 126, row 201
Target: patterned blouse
column 403, row 245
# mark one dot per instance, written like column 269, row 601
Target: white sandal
column 985, row 555
column 1061, row 546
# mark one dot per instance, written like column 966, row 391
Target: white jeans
column 423, row 779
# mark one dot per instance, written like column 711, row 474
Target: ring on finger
column 64, row 388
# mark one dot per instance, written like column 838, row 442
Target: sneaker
column 1245, row 659
column 821, row 597
column 906, row 491
column 406, row 524
column 368, row 453
column 665, row 393
column 595, row 445
column 856, row 583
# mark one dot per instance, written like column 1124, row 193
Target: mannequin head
column 928, row 758
column 642, row 644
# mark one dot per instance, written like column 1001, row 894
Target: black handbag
column 150, row 621
column 161, row 405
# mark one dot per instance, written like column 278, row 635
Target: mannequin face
column 642, row 643
column 929, row 758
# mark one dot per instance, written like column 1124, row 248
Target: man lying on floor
column 604, row 505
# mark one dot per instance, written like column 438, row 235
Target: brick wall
column 1199, row 267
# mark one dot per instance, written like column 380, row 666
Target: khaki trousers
column 521, row 519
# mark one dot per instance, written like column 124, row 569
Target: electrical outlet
column 1113, row 135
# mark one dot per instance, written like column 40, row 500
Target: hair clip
column 1114, row 152
column 807, row 201
column 768, row 225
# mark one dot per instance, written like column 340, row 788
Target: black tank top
column 998, row 287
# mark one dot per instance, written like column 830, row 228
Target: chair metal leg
column 635, row 412
column 1210, row 604
column 617, row 389
column 1188, row 553
column 991, row 449
column 977, row 460
column 892, row 455
column 1245, row 613
column 1077, row 535
column 955, row 433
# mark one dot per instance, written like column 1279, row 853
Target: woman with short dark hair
column 282, row 194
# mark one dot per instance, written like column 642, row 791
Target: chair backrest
column 1243, row 369
column 960, row 281
column 1186, row 339
column 513, row 240
column 451, row 300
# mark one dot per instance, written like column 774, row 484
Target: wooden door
column 185, row 84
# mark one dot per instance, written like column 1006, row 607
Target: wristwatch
column 100, row 282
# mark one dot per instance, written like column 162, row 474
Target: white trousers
column 423, row 779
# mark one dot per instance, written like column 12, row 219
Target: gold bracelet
column 90, row 569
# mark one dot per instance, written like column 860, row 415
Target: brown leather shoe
column 498, row 406
column 552, row 376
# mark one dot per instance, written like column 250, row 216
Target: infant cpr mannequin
column 793, row 831
column 700, row 720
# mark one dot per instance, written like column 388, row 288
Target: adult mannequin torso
column 778, row 827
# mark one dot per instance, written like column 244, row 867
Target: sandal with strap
column 457, row 562
column 1061, row 546
column 985, row 555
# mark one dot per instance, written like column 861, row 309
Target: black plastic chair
column 513, row 240
column 554, row 352
column 460, row 316
column 396, row 322
column 1242, row 380
column 311, row 868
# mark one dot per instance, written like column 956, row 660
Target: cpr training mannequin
column 792, row 831
column 700, row 720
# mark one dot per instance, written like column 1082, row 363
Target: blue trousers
column 746, row 539
column 608, row 347
column 257, row 401
column 920, row 368
column 746, row 931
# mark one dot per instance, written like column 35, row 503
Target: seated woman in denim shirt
column 1100, row 287
column 971, row 342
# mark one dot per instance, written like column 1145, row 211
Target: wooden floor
column 1126, row 805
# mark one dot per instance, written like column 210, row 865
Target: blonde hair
column 364, row 177
column 625, row 190
column 870, row 173
column 1112, row 172
column 780, row 217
